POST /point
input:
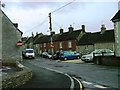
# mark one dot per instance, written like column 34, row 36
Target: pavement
column 74, row 61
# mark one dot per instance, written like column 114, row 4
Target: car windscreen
column 29, row 51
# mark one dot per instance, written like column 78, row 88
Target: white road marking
column 99, row 86
column 72, row 82
column 81, row 87
column 86, row 82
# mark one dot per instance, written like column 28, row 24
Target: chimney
column 83, row 28
column 70, row 28
column 36, row 33
column 103, row 28
column 53, row 33
column 15, row 24
column 61, row 30
column 32, row 34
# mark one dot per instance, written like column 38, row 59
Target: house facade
column 61, row 41
column 116, row 21
column 97, row 40
column 9, row 36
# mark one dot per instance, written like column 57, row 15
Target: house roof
column 86, row 39
column 43, row 39
column 37, row 37
column 107, row 36
column 29, row 40
column 116, row 17
column 24, row 39
column 58, row 37
column 97, row 37
column 69, row 35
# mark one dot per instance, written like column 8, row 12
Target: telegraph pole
column 51, row 43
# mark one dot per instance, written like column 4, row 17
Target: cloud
column 31, row 15
column 61, row 0
column 28, row 18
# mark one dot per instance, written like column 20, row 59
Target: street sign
column 19, row 43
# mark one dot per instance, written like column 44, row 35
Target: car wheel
column 78, row 57
column 65, row 58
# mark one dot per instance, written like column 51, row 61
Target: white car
column 97, row 52
column 46, row 55
column 29, row 53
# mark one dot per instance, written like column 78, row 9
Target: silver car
column 97, row 52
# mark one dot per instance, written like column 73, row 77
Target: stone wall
column 83, row 49
column 117, row 38
column 0, row 35
column 8, row 38
column 107, row 60
column 16, row 79
column 108, row 45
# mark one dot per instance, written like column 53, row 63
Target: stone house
column 97, row 40
column 31, row 42
column 116, row 21
column 9, row 36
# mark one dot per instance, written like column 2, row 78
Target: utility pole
column 51, row 43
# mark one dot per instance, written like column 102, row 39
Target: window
column 70, row 44
column 60, row 44
column 44, row 44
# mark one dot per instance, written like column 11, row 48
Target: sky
column 32, row 15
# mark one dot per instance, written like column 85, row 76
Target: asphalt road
column 43, row 78
column 47, row 79
column 90, row 75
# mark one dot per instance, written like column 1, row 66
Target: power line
column 63, row 6
column 40, row 24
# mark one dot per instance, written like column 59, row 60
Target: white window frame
column 44, row 44
column 60, row 45
column 69, row 44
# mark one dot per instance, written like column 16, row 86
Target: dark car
column 56, row 56
column 65, row 55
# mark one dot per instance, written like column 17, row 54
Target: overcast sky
column 32, row 15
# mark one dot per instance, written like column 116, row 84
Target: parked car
column 56, row 56
column 46, row 55
column 28, row 53
column 65, row 55
column 97, row 52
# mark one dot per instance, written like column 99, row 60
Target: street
column 43, row 78
column 70, row 74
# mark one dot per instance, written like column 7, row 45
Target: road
column 91, row 75
column 44, row 78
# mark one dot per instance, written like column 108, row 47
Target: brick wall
column 57, row 46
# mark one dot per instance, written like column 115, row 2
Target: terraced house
column 103, row 39
column 61, row 41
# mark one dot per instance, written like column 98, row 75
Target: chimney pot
column 83, row 28
column 103, row 28
column 61, row 30
column 70, row 28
